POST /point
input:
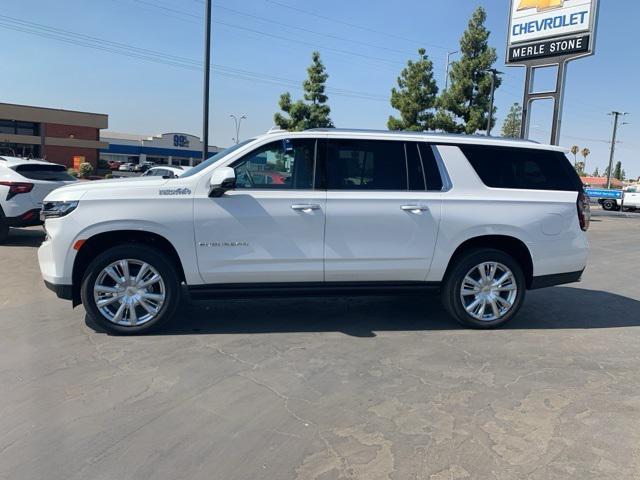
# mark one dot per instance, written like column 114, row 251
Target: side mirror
column 223, row 179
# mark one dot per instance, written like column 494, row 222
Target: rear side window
column 521, row 168
column 50, row 173
column 366, row 165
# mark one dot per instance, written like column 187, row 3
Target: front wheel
column 484, row 288
column 130, row 289
column 609, row 205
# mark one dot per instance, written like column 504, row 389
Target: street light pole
column 446, row 75
column 238, row 121
column 493, row 73
column 616, row 116
column 207, row 70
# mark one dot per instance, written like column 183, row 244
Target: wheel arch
column 506, row 243
column 104, row 240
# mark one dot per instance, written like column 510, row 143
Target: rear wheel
column 484, row 288
column 4, row 228
column 130, row 289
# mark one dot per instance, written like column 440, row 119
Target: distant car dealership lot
column 318, row 388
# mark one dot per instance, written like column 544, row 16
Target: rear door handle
column 305, row 207
column 414, row 208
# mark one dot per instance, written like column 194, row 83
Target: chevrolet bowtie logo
column 540, row 4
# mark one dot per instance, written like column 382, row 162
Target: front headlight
column 57, row 209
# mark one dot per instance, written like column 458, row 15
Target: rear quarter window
column 522, row 168
column 51, row 173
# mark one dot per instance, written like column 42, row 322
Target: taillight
column 16, row 188
column 584, row 211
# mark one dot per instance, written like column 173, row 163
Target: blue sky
column 261, row 48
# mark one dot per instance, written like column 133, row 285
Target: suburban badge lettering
column 175, row 191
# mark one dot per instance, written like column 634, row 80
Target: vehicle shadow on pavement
column 553, row 308
column 24, row 237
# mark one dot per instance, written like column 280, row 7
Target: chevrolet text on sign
column 550, row 28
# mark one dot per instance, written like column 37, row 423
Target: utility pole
column 493, row 73
column 446, row 75
column 238, row 121
column 207, row 71
column 616, row 116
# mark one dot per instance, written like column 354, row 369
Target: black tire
column 156, row 259
column 4, row 229
column 451, row 290
column 609, row 205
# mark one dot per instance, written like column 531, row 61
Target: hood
column 117, row 187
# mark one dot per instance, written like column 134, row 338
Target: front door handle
column 305, row 207
column 414, row 208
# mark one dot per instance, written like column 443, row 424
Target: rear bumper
column 62, row 291
column 545, row 281
column 28, row 219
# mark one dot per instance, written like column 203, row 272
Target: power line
column 163, row 58
column 353, row 25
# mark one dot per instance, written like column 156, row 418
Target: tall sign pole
column 207, row 71
column 549, row 33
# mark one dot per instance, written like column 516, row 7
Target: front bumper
column 62, row 291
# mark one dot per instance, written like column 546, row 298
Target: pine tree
column 465, row 104
column 596, row 172
column 511, row 125
column 314, row 113
column 415, row 97
column 618, row 172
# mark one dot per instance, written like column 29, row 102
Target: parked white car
column 357, row 212
column 166, row 171
column 126, row 167
column 23, row 185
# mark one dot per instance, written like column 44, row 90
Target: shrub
column 108, row 175
column 73, row 172
column 85, row 169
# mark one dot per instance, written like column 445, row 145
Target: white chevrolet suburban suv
column 324, row 211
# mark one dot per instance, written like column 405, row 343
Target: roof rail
column 275, row 129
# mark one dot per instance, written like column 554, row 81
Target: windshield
column 216, row 158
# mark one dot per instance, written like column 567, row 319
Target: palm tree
column 585, row 153
column 575, row 149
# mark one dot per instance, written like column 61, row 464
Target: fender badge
column 175, row 191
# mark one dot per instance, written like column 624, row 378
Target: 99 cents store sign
column 551, row 29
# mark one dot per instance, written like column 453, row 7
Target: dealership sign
column 540, row 29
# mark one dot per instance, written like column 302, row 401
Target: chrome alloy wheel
column 488, row 291
column 129, row 292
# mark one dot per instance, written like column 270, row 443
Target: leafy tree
column 596, row 172
column 313, row 111
column 85, row 169
column 511, row 125
column 463, row 107
column 415, row 97
column 574, row 150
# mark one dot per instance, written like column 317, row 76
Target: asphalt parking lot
column 370, row 388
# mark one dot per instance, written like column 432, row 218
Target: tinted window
column 53, row 173
column 502, row 167
column 283, row 164
column 366, row 165
column 430, row 165
column 415, row 172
